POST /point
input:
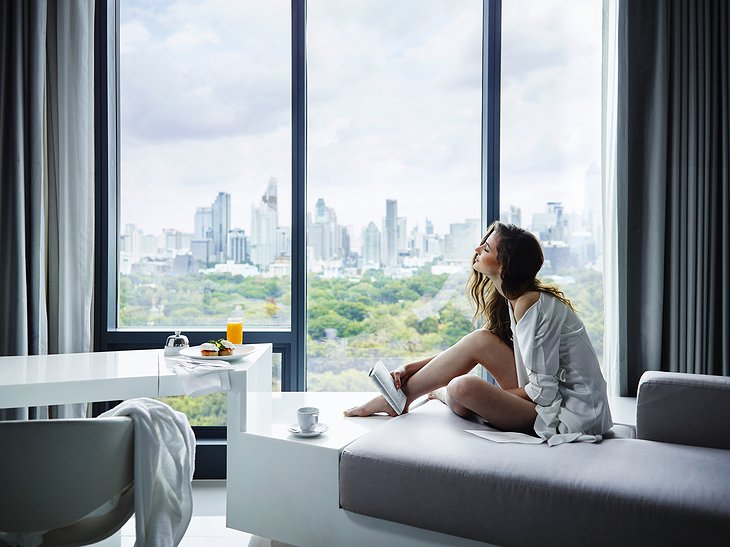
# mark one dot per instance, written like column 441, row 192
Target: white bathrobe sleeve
column 538, row 335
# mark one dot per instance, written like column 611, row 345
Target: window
column 328, row 167
column 194, row 173
column 393, row 182
column 205, row 165
column 550, row 181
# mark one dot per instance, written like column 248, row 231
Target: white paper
column 505, row 436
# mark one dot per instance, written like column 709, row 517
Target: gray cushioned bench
column 423, row 470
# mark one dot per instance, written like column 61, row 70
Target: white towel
column 164, row 461
column 201, row 377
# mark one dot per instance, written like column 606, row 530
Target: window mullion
column 491, row 83
column 294, row 373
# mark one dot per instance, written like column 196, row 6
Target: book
column 384, row 382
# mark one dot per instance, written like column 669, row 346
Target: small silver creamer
column 176, row 342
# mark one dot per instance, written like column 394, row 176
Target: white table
column 118, row 375
column 106, row 376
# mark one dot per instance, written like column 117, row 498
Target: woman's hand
column 402, row 373
column 400, row 376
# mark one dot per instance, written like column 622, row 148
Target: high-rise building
column 417, row 242
column 270, row 195
column 150, row 245
column 552, row 225
column 323, row 235
column 593, row 207
column 202, row 250
column 557, row 256
column 131, row 243
column 203, row 223
column 238, row 246
column 402, row 235
column 459, row 243
column 283, row 241
column 176, row 241
column 391, row 233
column 345, row 243
column 513, row 215
column 371, row 246
column 264, row 221
column 433, row 247
column 221, row 220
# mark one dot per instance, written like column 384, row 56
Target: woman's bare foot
column 439, row 394
column 378, row 404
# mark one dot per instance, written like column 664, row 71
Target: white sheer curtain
column 610, row 216
column 47, row 170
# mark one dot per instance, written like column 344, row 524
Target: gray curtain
column 46, row 180
column 673, row 154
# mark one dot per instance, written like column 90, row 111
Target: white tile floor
column 207, row 527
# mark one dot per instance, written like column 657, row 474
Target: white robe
column 558, row 367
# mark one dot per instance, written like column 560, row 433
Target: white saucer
column 318, row 430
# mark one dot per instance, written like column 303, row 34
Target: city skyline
column 393, row 243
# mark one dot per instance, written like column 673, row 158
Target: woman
column 533, row 344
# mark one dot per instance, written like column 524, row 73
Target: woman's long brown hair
column 520, row 256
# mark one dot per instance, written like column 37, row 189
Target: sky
column 394, row 107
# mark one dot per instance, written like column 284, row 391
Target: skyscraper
column 402, row 234
column 323, row 233
column 391, row 233
column 203, row 223
column 513, row 215
column 283, row 241
column 270, row 195
column 459, row 243
column 264, row 221
column 221, row 220
column 552, row 225
column 238, row 245
column 371, row 246
column 429, row 227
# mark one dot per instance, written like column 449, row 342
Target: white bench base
column 286, row 488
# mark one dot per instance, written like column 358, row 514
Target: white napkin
column 201, row 377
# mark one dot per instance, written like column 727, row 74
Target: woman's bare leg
column 480, row 346
column 467, row 395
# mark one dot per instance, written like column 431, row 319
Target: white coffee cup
column 307, row 416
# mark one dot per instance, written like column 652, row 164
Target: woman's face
column 486, row 261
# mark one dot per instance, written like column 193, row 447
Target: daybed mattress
column 422, row 469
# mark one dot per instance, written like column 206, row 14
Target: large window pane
column 205, row 140
column 393, row 182
column 550, row 142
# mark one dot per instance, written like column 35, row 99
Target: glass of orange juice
column 234, row 330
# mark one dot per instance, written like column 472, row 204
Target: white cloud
column 394, row 106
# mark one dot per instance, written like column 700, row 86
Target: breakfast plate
column 238, row 353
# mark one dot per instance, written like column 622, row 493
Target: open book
column 384, row 382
